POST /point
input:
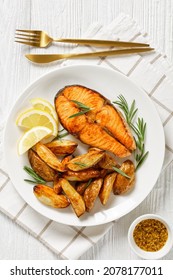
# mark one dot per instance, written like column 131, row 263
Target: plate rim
column 50, row 73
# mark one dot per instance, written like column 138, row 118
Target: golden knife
column 46, row 58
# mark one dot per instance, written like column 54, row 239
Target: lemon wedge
column 31, row 137
column 44, row 105
column 32, row 117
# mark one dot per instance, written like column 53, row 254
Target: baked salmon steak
column 91, row 117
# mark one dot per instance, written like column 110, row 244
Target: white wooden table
column 71, row 18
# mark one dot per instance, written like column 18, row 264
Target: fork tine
column 29, row 31
column 34, row 39
column 33, row 44
column 28, row 35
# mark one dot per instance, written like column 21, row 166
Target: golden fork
column 46, row 58
column 38, row 38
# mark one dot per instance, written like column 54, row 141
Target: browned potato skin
column 47, row 196
column 40, row 167
column 66, row 160
column 56, row 185
column 107, row 162
column 89, row 159
column 123, row 184
column 47, row 156
column 62, row 147
column 83, row 175
column 107, row 187
column 81, row 187
column 103, row 173
column 75, row 198
column 91, row 193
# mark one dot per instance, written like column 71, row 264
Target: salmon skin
column 102, row 127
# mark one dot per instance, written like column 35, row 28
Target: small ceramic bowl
column 148, row 255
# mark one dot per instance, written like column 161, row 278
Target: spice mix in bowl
column 150, row 236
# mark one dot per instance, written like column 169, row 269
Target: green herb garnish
column 61, row 135
column 35, row 176
column 81, row 164
column 83, row 107
column 138, row 128
column 79, row 113
column 129, row 112
column 88, row 183
column 141, row 160
column 61, row 130
column 120, row 172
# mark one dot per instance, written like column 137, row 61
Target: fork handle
column 46, row 58
column 101, row 43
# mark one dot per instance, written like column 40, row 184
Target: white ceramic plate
column 109, row 83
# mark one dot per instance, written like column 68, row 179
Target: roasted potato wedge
column 56, row 185
column 103, row 172
column 47, row 156
column 107, row 187
column 48, row 197
column 123, row 184
column 83, row 175
column 81, row 186
column 75, row 198
column 85, row 161
column 40, row 167
column 91, row 193
column 62, row 147
column 107, row 162
column 66, row 160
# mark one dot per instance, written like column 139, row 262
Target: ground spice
column 150, row 235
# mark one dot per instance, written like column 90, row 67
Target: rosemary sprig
column 129, row 112
column 88, row 183
column 32, row 181
column 139, row 128
column 81, row 164
column 35, row 176
column 141, row 160
column 61, row 135
column 120, row 172
column 83, row 107
column 79, row 113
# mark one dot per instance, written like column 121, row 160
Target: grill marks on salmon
column 95, row 136
column 103, row 127
column 85, row 95
column 111, row 119
column 65, row 109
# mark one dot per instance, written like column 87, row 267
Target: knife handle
column 46, row 58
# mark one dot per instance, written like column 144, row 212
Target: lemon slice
column 44, row 105
column 31, row 137
column 33, row 117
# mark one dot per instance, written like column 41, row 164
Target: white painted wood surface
column 71, row 18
